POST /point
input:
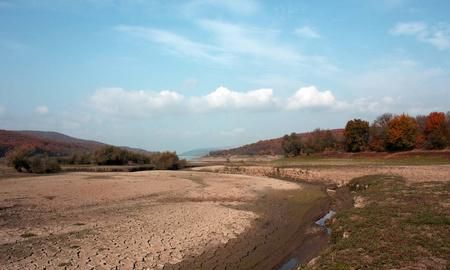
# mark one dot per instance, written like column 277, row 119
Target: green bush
column 19, row 159
column 43, row 164
column 23, row 160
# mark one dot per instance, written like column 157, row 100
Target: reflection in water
column 323, row 220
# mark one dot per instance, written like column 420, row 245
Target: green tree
column 356, row 135
column 291, row 145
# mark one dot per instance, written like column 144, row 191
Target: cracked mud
column 150, row 220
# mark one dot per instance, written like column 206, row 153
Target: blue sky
column 180, row 75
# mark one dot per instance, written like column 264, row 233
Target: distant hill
column 52, row 143
column 267, row 147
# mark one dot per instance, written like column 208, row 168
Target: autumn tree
column 377, row 132
column 319, row 141
column 447, row 116
column 420, row 139
column 436, row 131
column 401, row 133
column 291, row 145
column 356, row 135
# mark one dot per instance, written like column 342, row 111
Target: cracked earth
column 146, row 220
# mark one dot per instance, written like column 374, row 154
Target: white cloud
column 230, row 44
column 136, row 102
column 233, row 133
column 140, row 103
column 42, row 110
column 307, row 32
column 437, row 35
column 251, row 41
column 176, row 43
column 223, row 98
column 190, row 82
column 309, row 97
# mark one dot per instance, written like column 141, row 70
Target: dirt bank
column 338, row 175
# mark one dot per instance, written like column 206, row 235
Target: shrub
column 356, row 135
column 167, row 161
column 44, row 164
column 19, row 159
column 22, row 160
column 291, row 145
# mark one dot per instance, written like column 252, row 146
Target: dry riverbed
column 156, row 219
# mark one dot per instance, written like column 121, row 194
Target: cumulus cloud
column 224, row 98
column 119, row 101
column 142, row 103
column 309, row 97
column 134, row 102
column 437, row 35
column 42, row 110
column 307, row 32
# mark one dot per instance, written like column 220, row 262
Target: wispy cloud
column 307, row 32
column 437, row 35
column 250, row 41
column 240, row 7
column 176, row 43
column 42, row 110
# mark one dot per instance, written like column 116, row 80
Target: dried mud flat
column 152, row 220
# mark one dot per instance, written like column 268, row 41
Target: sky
column 180, row 75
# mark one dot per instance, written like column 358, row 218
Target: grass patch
column 320, row 161
column 401, row 225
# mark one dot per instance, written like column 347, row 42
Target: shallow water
column 289, row 265
column 321, row 222
column 293, row 262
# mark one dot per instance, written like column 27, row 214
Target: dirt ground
column 151, row 220
column 338, row 175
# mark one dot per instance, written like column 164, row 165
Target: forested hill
column 52, row 143
column 271, row 146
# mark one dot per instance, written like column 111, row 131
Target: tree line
column 28, row 160
column 387, row 132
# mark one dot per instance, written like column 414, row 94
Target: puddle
column 293, row 262
column 321, row 222
column 289, row 265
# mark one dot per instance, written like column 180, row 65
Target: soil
column 155, row 220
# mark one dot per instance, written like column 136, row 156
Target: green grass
column 401, row 225
column 319, row 161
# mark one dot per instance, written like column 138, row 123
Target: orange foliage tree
column 435, row 131
column 401, row 133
